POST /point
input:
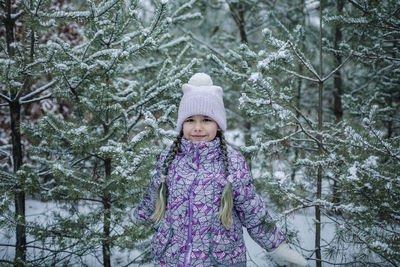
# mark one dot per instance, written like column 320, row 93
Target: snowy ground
column 37, row 210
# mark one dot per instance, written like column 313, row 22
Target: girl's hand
column 284, row 255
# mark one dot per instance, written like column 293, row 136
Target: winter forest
column 88, row 100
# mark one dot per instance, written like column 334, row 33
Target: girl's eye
column 189, row 120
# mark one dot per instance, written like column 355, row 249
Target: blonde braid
column 225, row 211
column 162, row 191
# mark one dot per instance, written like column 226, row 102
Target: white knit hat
column 201, row 97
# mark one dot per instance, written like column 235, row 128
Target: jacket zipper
column 189, row 240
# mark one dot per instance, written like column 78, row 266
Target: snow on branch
column 36, row 99
column 153, row 95
column 349, row 20
column 25, row 98
column 106, row 7
column 306, row 64
column 270, row 60
column 65, row 14
column 184, row 6
column 265, row 146
column 310, row 135
column 183, row 18
column 138, row 138
column 6, row 98
column 95, row 12
column 225, row 67
column 299, row 75
column 175, row 42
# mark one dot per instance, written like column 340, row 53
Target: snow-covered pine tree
column 123, row 83
column 367, row 171
column 367, row 150
column 24, row 88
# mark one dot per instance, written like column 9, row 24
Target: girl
column 202, row 195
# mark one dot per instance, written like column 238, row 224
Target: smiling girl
column 202, row 194
column 199, row 128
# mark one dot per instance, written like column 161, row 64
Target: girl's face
column 199, row 128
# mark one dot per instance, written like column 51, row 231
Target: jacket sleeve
column 250, row 207
column 142, row 212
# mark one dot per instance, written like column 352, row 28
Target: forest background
column 88, row 99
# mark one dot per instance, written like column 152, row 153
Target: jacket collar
column 201, row 150
column 187, row 145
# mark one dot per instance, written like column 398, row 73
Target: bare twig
column 338, row 67
column 299, row 75
column 201, row 41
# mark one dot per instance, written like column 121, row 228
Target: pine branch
column 371, row 55
column 36, row 92
column 338, row 67
column 140, row 255
column 6, row 98
column 310, row 135
column 367, row 11
column 23, row 88
column 57, row 251
column 384, row 144
column 303, row 206
column 109, row 5
column 182, row 7
column 37, row 7
column 155, row 24
column 194, row 37
column 6, row 261
column 299, row 75
column 304, row 62
column 304, row 117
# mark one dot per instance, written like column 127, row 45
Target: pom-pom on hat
column 201, row 97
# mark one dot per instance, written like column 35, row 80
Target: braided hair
column 225, row 210
column 162, row 191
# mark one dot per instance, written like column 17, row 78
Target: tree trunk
column 319, row 176
column 9, row 24
column 337, row 80
column 107, row 219
column 239, row 19
column 15, row 114
column 319, row 182
column 19, row 197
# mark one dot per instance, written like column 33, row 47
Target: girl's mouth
column 198, row 136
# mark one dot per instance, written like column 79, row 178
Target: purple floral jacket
column 191, row 233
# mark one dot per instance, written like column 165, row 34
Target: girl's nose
column 198, row 126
